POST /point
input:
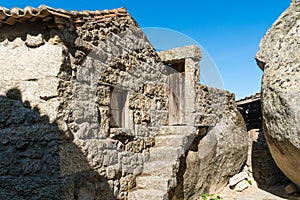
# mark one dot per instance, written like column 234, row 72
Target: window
column 117, row 108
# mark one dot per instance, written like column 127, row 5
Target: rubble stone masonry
column 83, row 96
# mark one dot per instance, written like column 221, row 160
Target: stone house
column 89, row 110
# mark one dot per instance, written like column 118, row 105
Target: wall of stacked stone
column 58, row 80
column 265, row 170
column 260, row 165
column 56, row 86
column 211, row 104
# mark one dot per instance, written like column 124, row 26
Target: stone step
column 170, row 140
column 183, row 141
column 160, row 168
column 146, row 194
column 177, row 130
column 165, row 153
column 155, row 182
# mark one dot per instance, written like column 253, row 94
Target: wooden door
column 176, row 94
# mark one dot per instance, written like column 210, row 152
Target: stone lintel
column 181, row 53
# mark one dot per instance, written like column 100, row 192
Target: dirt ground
column 269, row 193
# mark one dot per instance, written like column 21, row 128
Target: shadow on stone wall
column 40, row 161
column 265, row 170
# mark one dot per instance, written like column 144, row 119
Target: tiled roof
column 45, row 13
column 248, row 99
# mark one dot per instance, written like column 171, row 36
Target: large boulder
column 279, row 58
column 216, row 154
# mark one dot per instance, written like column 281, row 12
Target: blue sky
column 229, row 31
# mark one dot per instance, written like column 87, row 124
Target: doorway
column 176, row 93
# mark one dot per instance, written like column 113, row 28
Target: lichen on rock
column 278, row 56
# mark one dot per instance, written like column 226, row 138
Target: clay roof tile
column 44, row 13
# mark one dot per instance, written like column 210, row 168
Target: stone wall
column 211, row 103
column 83, row 99
column 260, row 165
column 56, row 88
column 264, row 169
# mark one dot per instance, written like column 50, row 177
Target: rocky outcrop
column 279, row 57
